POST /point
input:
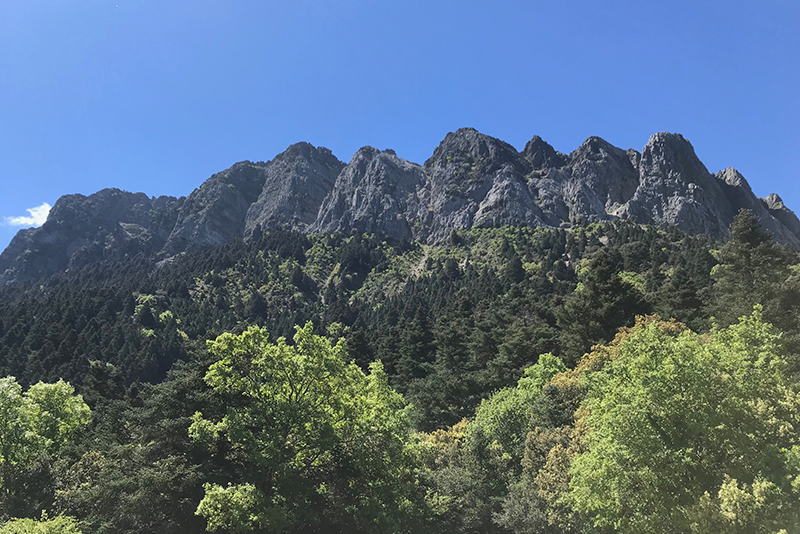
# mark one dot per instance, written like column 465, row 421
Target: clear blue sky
column 155, row 96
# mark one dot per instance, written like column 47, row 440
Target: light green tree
column 690, row 433
column 320, row 442
column 56, row 525
column 505, row 418
column 37, row 422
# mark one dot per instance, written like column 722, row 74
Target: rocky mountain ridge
column 471, row 180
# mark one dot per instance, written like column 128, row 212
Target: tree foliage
column 684, row 429
column 495, row 337
column 320, row 441
column 34, row 426
column 56, row 525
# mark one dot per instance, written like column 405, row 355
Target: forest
column 609, row 377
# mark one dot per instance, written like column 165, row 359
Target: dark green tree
column 753, row 269
column 602, row 303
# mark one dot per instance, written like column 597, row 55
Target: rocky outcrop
column 471, row 180
column 79, row 230
column 215, row 212
column 779, row 211
column 476, row 181
column 780, row 221
column 676, row 189
column 594, row 183
column 377, row 192
column 295, row 184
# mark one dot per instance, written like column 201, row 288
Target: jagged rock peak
column 774, row 202
column 733, row 178
column 596, row 146
column 471, row 180
column 786, row 217
column 304, row 149
column 106, row 225
column 541, row 155
column 367, row 152
column 375, row 192
column 215, row 212
column 676, row 189
column 469, row 144
column 671, row 149
column 294, row 185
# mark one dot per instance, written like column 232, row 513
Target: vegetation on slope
column 506, row 400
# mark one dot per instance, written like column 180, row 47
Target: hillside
column 492, row 342
column 471, row 181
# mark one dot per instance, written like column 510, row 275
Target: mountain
column 471, row 181
column 79, row 230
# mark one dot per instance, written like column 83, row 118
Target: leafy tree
column 57, row 525
column 755, row 270
column 36, row 423
column 320, row 442
column 684, row 433
column 506, row 416
column 466, row 477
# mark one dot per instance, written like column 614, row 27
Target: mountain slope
column 471, row 181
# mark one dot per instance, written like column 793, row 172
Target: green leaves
column 319, row 440
column 57, row 525
column 39, row 421
column 676, row 417
column 506, row 417
column 33, row 425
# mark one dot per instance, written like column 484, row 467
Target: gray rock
column 676, row 189
column 541, row 155
column 602, row 181
column 215, row 212
column 739, row 194
column 295, row 184
column 471, row 180
column 777, row 209
column 79, row 230
column 467, row 174
column 375, row 193
column 508, row 202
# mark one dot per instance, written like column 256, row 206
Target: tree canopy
column 319, row 441
column 692, row 434
column 38, row 422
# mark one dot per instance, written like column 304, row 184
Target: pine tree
column 754, row 270
column 593, row 313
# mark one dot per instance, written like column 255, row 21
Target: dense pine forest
column 610, row 377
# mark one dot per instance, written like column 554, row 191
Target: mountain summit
column 471, row 180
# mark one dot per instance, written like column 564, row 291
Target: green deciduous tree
column 35, row 423
column 690, row 434
column 320, row 442
column 506, row 417
column 57, row 525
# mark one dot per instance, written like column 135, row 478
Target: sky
column 156, row 96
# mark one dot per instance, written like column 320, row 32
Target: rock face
column 107, row 225
column 676, row 189
column 471, row 180
column 215, row 212
column 295, row 184
column 376, row 192
column 775, row 206
column 593, row 183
